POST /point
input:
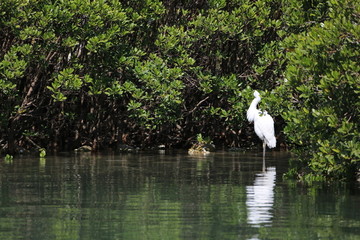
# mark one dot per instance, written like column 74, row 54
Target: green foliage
column 13, row 66
column 42, row 152
column 163, row 73
column 324, row 90
column 156, row 99
column 8, row 158
column 66, row 80
column 203, row 140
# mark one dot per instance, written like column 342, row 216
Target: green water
column 169, row 196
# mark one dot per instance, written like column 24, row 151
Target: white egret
column 263, row 124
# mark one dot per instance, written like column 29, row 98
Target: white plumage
column 263, row 124
column 264, row 128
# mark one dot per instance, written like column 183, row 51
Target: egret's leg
column 264, row 147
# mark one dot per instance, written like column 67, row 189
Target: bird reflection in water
column 260, row 198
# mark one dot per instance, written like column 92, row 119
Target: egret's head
column 256, row 94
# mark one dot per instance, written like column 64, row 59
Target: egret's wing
column 266, row 126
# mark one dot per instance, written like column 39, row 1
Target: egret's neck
column 255, row 102
column 252, row 111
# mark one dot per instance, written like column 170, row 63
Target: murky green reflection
column 169, row 196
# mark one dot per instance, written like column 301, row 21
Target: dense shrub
column 323, row 93
column 104, row 73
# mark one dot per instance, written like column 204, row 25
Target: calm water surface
column 169, row 196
